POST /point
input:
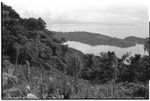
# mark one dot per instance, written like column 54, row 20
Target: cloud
column 87, row 11
column 109, row 14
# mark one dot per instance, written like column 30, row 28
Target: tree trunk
column 115, row 78
column 16, row 57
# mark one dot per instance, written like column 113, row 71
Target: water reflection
column 96, row 50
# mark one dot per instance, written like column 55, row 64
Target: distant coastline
column 95, row 39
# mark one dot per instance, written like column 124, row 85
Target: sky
column 122, row 16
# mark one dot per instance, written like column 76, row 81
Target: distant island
column 95, row 39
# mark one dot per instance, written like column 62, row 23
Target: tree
column 123, row 64
column 9, row 12
column 109, row 65
column 74, row 64
column 146, row 46
column 41, row 24
column 34, row 24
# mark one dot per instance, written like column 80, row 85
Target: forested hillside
column 36, row 65
column 99, row 39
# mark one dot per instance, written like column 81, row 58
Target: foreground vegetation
column 36, row 65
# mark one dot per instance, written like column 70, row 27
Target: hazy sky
column 124, row 13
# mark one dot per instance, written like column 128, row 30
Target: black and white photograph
column 75, row 49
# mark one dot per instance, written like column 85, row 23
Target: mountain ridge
column 95, row 39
